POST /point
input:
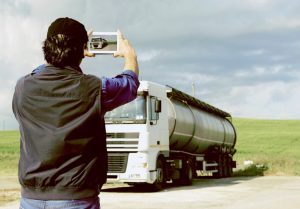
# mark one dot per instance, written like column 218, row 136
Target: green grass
column 272, row 143
column 9, row 152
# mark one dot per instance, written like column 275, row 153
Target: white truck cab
column 136, row 133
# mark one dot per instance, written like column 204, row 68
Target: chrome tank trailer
column 195, row 126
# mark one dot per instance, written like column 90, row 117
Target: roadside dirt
column 274, row 192
column 9, row 189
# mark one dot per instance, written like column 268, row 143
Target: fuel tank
column 194, row 129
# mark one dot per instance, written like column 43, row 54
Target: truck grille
column 117, row 162
column 122, row 142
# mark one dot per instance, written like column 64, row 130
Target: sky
column 242, row 56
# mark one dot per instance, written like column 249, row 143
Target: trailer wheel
column 188, row 175
column 225, row 166
column 220, row 167
column 160, row 181
column 229, row 166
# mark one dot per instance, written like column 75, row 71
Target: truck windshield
column 132, row 112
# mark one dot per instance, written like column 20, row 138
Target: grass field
column 272, row 143
column 9, row 152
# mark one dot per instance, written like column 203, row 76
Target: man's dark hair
column 61, row 51
column 64, row 43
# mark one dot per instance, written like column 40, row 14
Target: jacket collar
column 43, row 67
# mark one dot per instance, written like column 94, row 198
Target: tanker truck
column 166, row 135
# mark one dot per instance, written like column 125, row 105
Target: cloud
column 255, row 52
column 243, row 56
column 268, row 100
column 146, row 56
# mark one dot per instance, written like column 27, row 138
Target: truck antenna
column 193, row 89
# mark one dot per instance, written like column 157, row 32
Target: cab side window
column 153, row 113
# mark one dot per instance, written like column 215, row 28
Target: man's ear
column 84, row 49
column 86, row 53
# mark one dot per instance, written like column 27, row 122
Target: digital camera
column 103, row 42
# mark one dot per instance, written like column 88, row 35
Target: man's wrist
column 132, row 64
column 131, row 55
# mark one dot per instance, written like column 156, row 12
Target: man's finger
column 117, row 54
column 88, row 54
column 89, row 33
column 120, row 34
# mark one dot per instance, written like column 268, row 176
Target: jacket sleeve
column 119, row 90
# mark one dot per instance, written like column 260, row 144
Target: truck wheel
column 187, row 175
column 220, row 167
column 160, row 181
column 230, row 166
column 225, row 166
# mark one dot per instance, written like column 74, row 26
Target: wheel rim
column 190, row 173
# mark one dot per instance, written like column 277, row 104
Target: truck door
column 158, row 129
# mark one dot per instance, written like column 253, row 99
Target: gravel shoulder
column 274, row 192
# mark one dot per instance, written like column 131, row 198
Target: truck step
column 211, row 164
column 211, row 167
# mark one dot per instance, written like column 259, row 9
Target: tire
column 225, row 166
column 160, row 181
column 230, row 171
column 220, row 173
column 187, row 177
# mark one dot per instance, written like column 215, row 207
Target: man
column 60, row 110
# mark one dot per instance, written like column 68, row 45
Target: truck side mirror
column 157, row 106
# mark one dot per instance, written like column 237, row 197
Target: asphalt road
column 271, row 192
column 110, row 47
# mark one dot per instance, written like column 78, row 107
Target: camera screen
column 105, row 42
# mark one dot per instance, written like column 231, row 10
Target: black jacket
column 63, row 141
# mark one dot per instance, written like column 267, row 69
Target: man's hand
column 86, row 51
column 128, row 52
column 125, row 49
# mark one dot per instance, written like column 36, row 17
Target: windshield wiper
column 120, row 121
column 127, row 121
